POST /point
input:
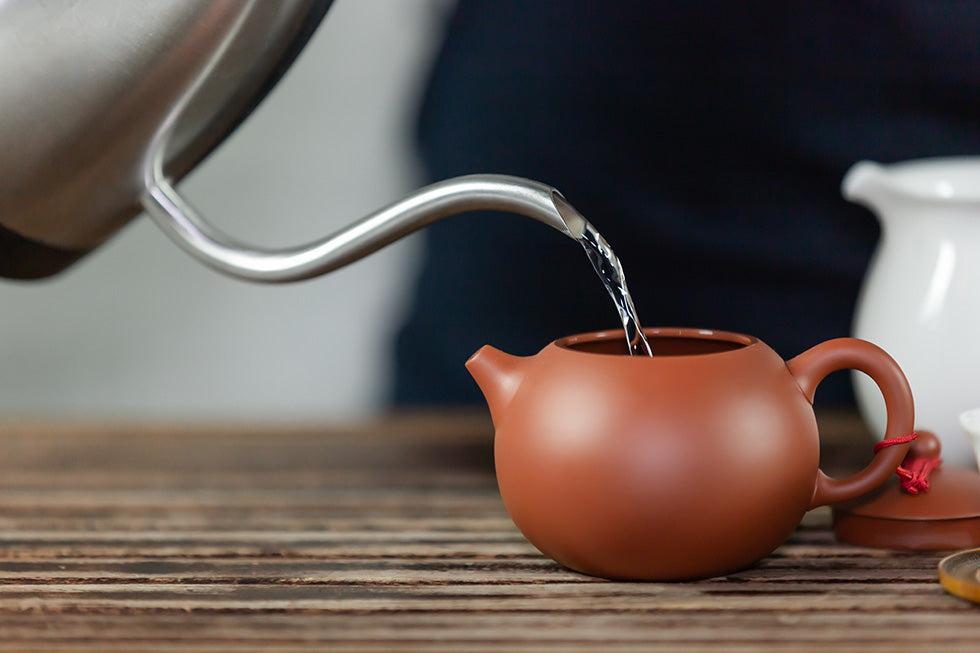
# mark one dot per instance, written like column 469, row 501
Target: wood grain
column 389, row 536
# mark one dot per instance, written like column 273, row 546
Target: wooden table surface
column 389, row 536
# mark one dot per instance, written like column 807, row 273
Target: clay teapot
column 692, row 463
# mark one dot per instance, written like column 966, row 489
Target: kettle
column 105, row 105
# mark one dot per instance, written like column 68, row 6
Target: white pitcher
column 919, row 299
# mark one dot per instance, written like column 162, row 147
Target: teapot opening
column 665, row 342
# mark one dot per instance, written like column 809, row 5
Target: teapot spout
column 498, row 375
column 866, row 183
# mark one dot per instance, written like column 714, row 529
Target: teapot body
column 692, row 463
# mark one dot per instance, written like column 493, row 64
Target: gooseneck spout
column 178, row 219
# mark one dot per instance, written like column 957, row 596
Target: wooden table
column 389, row 536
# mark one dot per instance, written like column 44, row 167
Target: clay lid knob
column 927, row 445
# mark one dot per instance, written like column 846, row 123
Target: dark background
column 705, row 140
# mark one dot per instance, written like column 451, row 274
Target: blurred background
column 705, row 140
column 138, row 329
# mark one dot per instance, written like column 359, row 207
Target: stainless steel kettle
column 105, row 104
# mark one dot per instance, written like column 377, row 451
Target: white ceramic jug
column 919, row 299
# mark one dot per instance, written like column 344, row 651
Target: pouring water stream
column 610, row 271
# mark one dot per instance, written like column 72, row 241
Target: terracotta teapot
column 692, row 463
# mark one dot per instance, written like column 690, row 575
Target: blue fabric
column 705, row 140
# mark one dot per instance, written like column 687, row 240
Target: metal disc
column 960, row 574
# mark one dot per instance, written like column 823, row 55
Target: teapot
column 695, row 462
column 107, row 104
column 918, row 297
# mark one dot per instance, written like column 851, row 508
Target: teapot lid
column 941, row 513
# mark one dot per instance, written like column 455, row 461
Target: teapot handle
column 809, row 369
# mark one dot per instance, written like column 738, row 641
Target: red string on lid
column 914, row 473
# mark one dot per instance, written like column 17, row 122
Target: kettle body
column 87, row 87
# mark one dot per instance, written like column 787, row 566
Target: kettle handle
column 809, row 369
